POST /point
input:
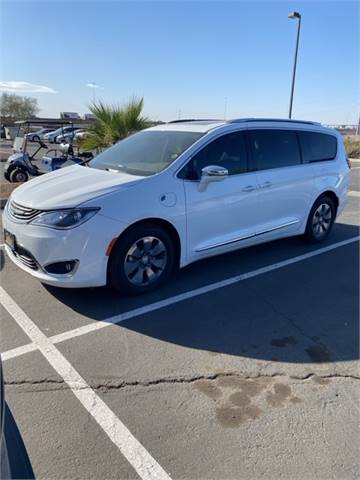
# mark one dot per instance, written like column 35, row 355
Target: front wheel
column 321, row 220
column 18, row 175
column 141, row 260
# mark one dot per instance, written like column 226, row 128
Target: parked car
column 173, row 194
column 4, row 458
column 68, row 137
column 52, row 136
column 38, row 135
column 14, row 459
column 81, row 134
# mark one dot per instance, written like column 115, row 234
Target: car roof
column 201, row 126
column 205, row 125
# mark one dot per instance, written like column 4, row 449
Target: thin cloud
column 24, row 87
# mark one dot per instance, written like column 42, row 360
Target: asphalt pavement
column 244, row 366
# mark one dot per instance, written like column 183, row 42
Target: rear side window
column 317, row 147
column 274, row 148
column 228, row 151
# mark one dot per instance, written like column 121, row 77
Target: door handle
column 266, row 185
column 249, row 188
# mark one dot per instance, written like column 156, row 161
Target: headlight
column 64, row 219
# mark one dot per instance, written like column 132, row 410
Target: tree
column 113, row 123
column 15, row 107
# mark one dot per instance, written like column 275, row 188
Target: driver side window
column 228, row 151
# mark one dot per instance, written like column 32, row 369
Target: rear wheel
column 321, row 220
column 141, row 260
column 18, row 175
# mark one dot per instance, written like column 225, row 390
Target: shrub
column 113, row 123
column 352, row 145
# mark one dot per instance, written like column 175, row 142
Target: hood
column 15, row 156
column 69, row 187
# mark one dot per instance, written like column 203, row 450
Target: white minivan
column 173, row 194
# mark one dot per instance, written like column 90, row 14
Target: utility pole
column 294, row 15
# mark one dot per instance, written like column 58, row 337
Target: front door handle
column 249, row 188
column 266, row 185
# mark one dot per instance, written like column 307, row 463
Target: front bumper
column 87, row 244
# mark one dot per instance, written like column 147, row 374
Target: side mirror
column 211, row 173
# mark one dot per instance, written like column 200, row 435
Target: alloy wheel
column 145, row 261
column 322, row 219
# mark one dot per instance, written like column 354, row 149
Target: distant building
column 69, row 116
column 89, row 116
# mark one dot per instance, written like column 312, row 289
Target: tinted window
column 228, row 151
column 274, row 148
column 317, row 146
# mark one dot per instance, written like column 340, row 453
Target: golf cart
column 21, row 164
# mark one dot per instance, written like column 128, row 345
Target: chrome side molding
column 239, row 239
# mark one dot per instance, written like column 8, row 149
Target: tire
column 7, row 176
column 142, row 260
column 321, row 220
column 36, row 138
column 18, row 175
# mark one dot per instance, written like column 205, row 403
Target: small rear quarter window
column 317, row 147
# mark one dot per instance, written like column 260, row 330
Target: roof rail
column 196, row 120
column 285, row 120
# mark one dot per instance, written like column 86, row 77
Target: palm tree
column 113, row 123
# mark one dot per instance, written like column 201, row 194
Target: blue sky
column 187, row 56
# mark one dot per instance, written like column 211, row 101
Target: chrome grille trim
column 19, row 212
column 25, row 257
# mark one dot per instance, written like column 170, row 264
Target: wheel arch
column 331, row 194
column 165, row 224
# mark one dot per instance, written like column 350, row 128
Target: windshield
column 145, row 153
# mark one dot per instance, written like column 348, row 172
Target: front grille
column 25, row 257
column 19, row 212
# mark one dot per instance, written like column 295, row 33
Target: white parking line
column 194, row 293
column 97, row 325
column 16, row 352
column 354, row 193
column 138, row 457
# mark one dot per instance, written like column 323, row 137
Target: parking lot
column 245, row 366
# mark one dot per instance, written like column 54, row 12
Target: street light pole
column 93, row 91
column 294, row 15
column 93, row 86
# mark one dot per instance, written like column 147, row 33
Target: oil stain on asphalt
column 235, row 397
column 318, row 353
column 283, row 342
column 279, row 396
